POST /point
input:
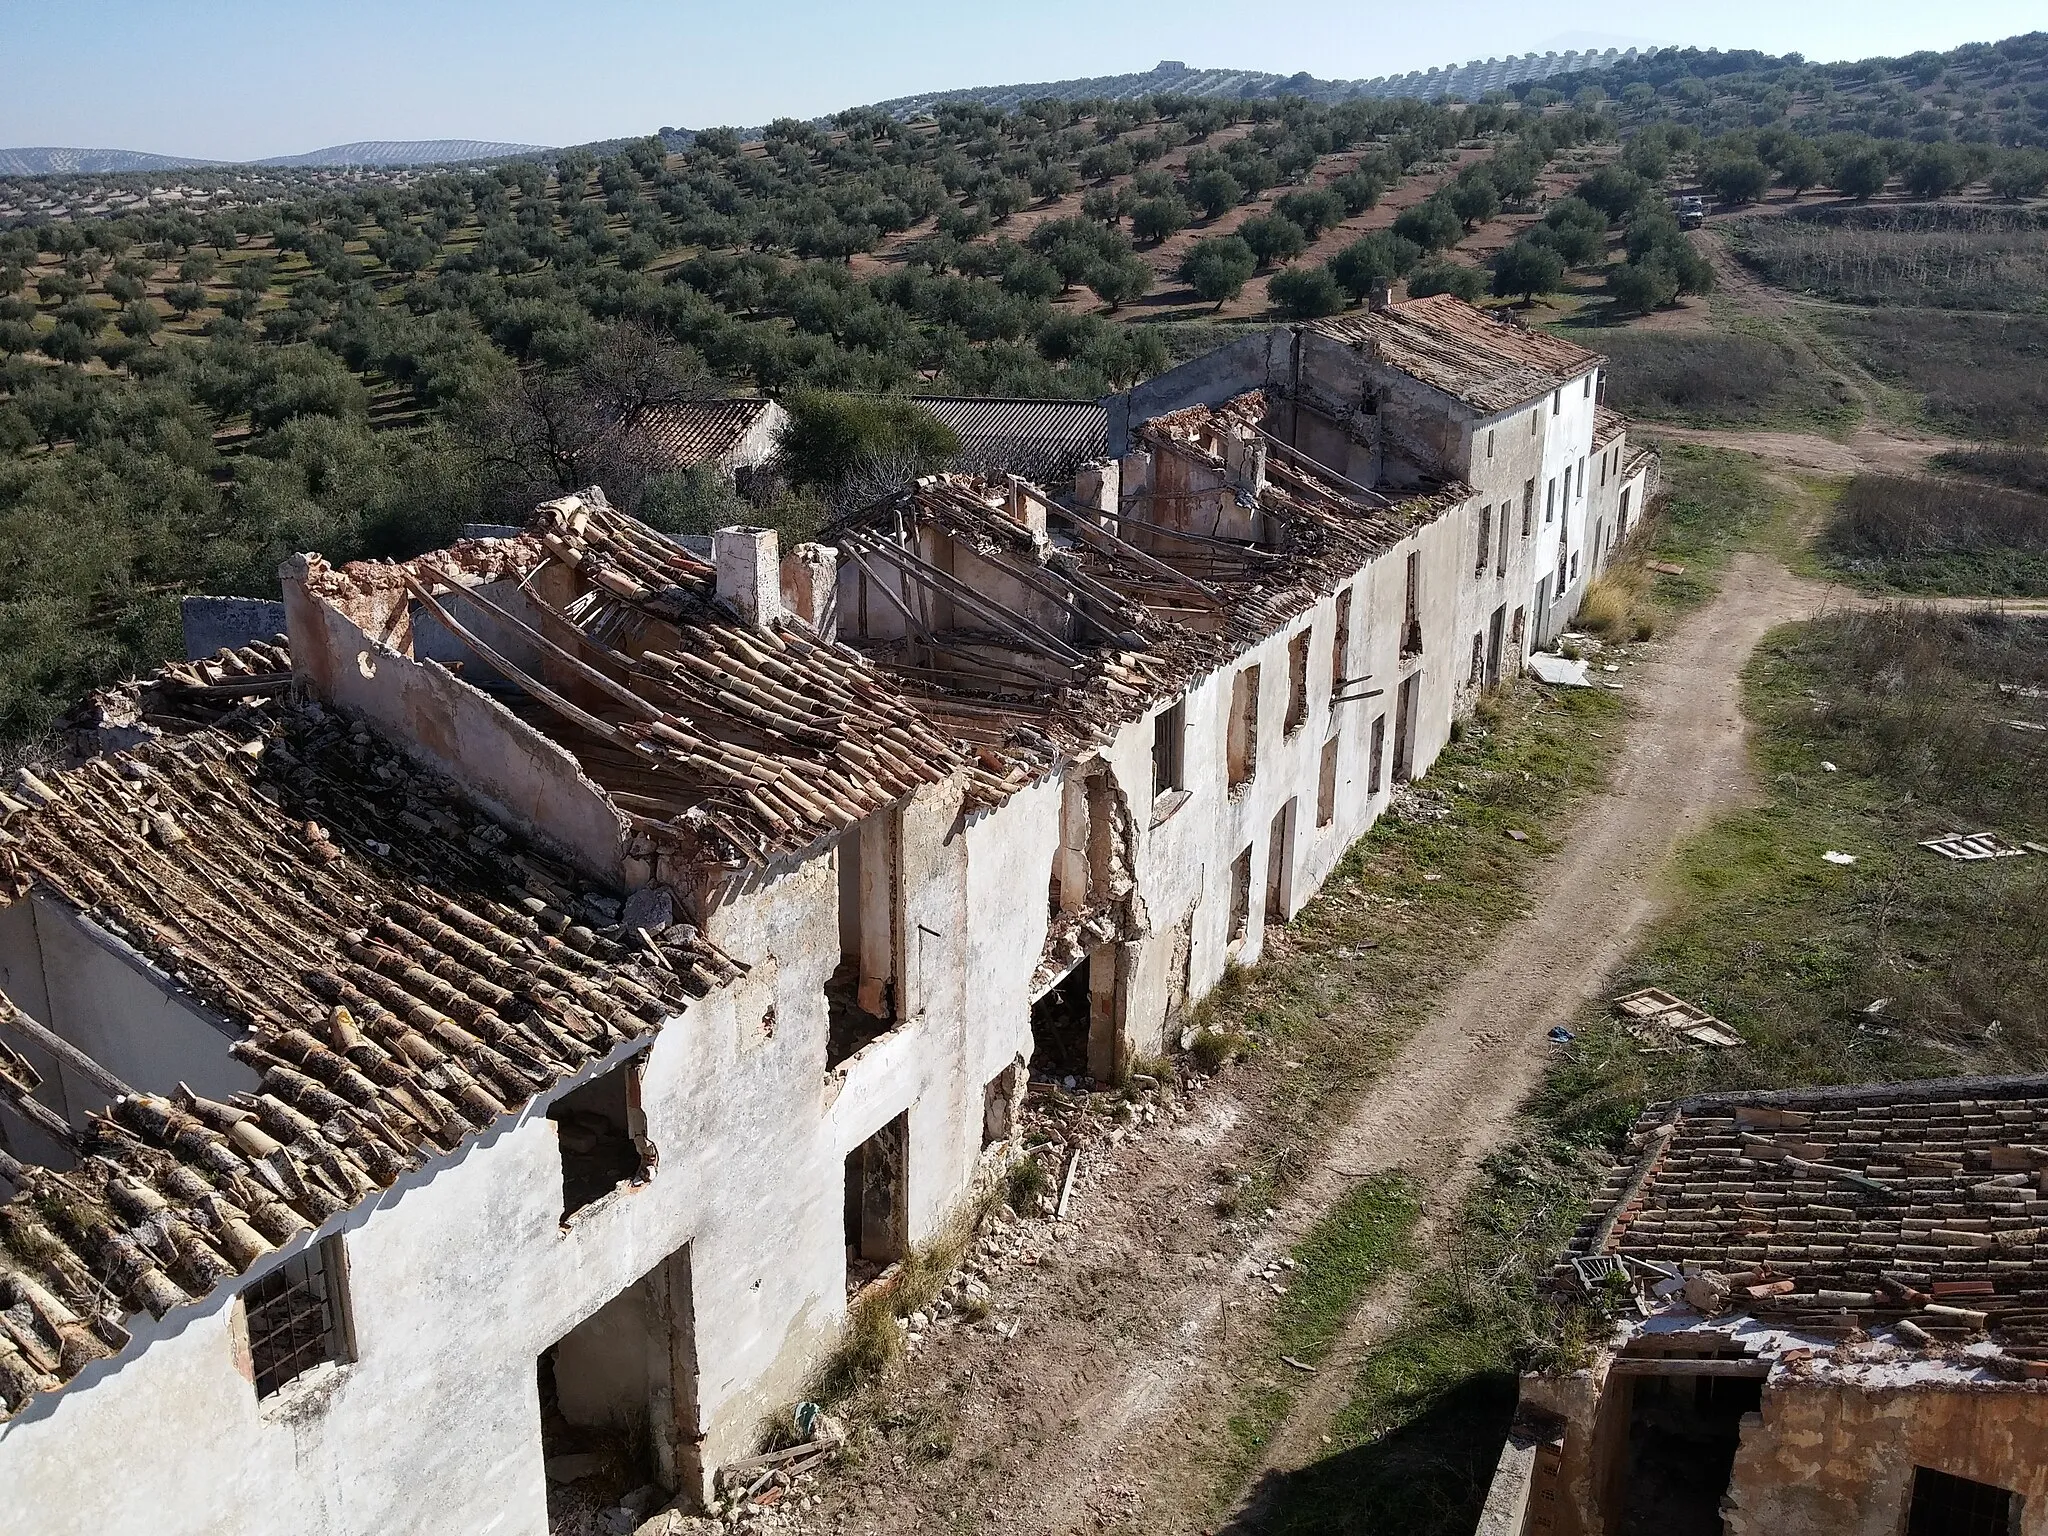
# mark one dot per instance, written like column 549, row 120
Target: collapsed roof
column 1921, row 1208
column 1026, row 626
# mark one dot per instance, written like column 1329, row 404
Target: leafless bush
column 1979, row 375
column 1942, row 255
column 2024, row 469
column 1898, row 517
column 1725, row 378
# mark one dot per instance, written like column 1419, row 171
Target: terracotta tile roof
column 1042, row 440
column 700, row 431
column 1492, row 365
column 1607, row 425
column 1850, row 1206
column 408, row 972
column 721, row 740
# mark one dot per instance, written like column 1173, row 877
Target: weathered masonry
column 1835, row 1308
column 528, row 999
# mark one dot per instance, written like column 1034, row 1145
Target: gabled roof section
column 1490, row 364
column 700, row 431
column 1042, row 440
column 406, row 970
column 1607, row 426
column 1849, row 1207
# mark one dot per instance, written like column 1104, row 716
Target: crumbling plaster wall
column 1566, row 432
column 458, row 1280
column 518, row 774
column 1828, row 1460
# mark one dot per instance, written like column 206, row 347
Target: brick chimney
column 749, row 573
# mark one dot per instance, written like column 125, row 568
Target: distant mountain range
column 107, row 162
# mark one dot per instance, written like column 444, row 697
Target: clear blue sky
column 230, row 79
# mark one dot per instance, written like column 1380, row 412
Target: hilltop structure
column 536, row 993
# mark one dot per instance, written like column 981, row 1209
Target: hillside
column 88, row 162
column 379, row 152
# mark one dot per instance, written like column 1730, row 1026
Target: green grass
column 1361, row 1242
column 1713, row 503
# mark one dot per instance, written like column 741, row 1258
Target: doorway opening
column 877, row 1202
column 1682, row 1433
column 1404, row 727
column 1060, row 1025
column 618, row 1400
column 1280, row 865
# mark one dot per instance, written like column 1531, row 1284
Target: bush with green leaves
column 1526, row 268
column 1380, row 257
column 1454, row 278
column 1218, row 268
column 1304, row 292
column 1433, row 224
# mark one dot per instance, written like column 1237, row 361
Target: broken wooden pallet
column 1659, row 1021
column 1974, row 845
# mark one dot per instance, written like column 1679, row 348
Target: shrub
column 1640, row 286
column 1217, row 269
column 1304, row 292
column 1467, row 283
column 829, row 436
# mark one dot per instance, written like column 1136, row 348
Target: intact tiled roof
column 1042, row 440
column 406, row 970
column 1607, row 425
column 1850, row 1207
column 700, row 431
column 1490, row 364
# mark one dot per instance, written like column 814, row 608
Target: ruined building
column 1833, row 1312
column 532, row 995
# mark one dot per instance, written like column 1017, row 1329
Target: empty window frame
column 1479, row 657
column 1582, row 477
column 1589, row 386
column 1326, row 785
column 1340, row 647
column 602, row 1135
column 1556, row 401
column 1521, row 628
column 1376, row 760
column 1945, row 1505
column 1562, row 582
column 1240, row 895
column 297, row 1316
column 1169, row 749
column 1501, row 567
column 1241, row 742
column 1411, row 608
column 1575, row 565
column 1567, row 485
column 1550, row 500
column 1485, row 541
column 1528, row 507
column 1297, row 681
column 1489, row 442
column 1603, row 470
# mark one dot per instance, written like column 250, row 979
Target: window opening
column 1479, row 657
column 1404, row 727
column 1521, row 628
column 1169, row 748
column 602, row 1135
column 1489, row 442
column 1326, row 785
column 1280, row 864
column 1496, row 631
column 1946, row 1505
column 1556, row 401
column 1340, row 647
column 1411, row 609
column 1582, row 477
column 1500, row 568
column 1550, row 500
column 1562, row 561
column 999, row 1105
column 1242, row 747
column 1528, row 507
column 861, row 997
column 1589, row 386
column 1297, row 681
column 877, row 1202
column 1485, row 541
column 1567, row 485
column 1240, row 895
column 1376, row 761
column 1575, row 565
column 297, row 1316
